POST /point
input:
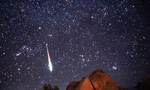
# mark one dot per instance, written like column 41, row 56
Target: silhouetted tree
column 49, row 87
column 56, row 88
column 45, row 87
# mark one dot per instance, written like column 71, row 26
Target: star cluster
column 82, row 36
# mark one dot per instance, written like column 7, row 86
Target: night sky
column 82, row 36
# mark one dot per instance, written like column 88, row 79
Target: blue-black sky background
column 82, row 36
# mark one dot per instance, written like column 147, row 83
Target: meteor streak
column 49, row 60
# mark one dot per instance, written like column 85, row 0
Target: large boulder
column 102, row 81
column 84, row 84
column 98, row 80
column 72, row 85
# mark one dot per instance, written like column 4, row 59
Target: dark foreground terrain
column 99, row 80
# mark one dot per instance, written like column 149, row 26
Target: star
column 114, row 67
column 82, row 36
column 40, row 28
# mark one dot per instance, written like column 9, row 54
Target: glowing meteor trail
column 49, row 60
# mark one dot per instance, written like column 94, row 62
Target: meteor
column 49, row 59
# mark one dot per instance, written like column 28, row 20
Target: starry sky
column 82, row 36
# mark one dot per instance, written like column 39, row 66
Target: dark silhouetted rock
column 145, row 85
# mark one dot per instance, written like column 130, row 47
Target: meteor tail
column 49, row 59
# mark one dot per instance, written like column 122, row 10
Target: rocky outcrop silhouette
column 102, row 81
column 98, row 80
column 84, row 83
column 144, row 85
column 72, row 85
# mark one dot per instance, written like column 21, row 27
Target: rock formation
column 144, row 85
column 84, row 84
column 72, row 85
column 98, row 80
